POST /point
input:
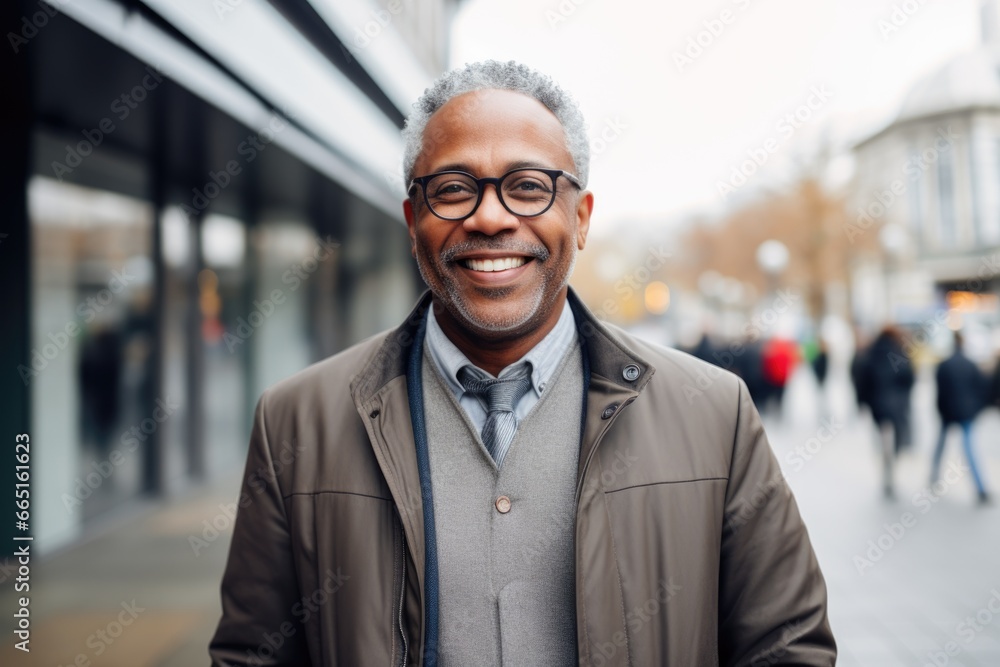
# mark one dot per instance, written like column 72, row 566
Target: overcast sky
column 681, row 126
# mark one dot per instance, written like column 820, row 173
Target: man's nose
column 491, row 217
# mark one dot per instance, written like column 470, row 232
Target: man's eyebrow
column 520, row 164
column 454, row 166
column 528, row 163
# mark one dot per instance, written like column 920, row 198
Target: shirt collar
column 544, row 357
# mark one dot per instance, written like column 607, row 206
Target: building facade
column 200, row 199
column 928, row 184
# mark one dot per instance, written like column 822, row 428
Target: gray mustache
column 515, row 247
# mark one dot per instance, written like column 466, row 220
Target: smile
column 492, row 265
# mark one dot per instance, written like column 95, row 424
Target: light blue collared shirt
column 544, row 359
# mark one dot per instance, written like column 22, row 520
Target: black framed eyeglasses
column 527, row 192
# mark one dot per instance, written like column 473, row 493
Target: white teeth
column 499, row 264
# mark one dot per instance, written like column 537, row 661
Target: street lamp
column 772, row 258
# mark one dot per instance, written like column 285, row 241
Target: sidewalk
column 135, row 596
column 915, row 581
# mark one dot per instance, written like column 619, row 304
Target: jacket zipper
column 586, row 465
column 593, row 450
column 402, row 595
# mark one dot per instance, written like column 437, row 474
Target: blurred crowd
column 883, row 376
column 765, row 366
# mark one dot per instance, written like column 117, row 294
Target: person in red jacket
column 779, row 359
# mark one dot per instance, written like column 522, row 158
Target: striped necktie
column 498, row 396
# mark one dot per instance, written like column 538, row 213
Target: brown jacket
column 690, row 550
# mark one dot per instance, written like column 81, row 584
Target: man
column 961, row 393
column 504, row 479
column 885, row 381
column 994, row 397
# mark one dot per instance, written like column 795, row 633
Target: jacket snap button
column 631, row 372
column 608, row 411
column 503, row 504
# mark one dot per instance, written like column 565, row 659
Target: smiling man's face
column 522, row 289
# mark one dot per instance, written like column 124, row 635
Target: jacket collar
column 609, row 356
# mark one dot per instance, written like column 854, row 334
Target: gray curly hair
column 492, row 74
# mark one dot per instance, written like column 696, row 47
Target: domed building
column 928, row 184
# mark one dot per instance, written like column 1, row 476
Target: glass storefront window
column 92, row 346
column 221, row 298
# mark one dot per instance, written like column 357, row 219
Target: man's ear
column 583, row 210
column 411, row 224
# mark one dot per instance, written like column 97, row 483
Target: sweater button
column 503, row 504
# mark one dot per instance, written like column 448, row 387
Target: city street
column 203, row 199
column 910, row 580
column 913, row 579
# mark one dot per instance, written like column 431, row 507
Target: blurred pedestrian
column 995, row 385
column 962, row 391
column 858, row 364
column 779, row 358
column 100, row 373
column 820, row 363
column 885, row 379
column 750, row 366
column 704, row 350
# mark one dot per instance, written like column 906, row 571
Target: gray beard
column 453, row 299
